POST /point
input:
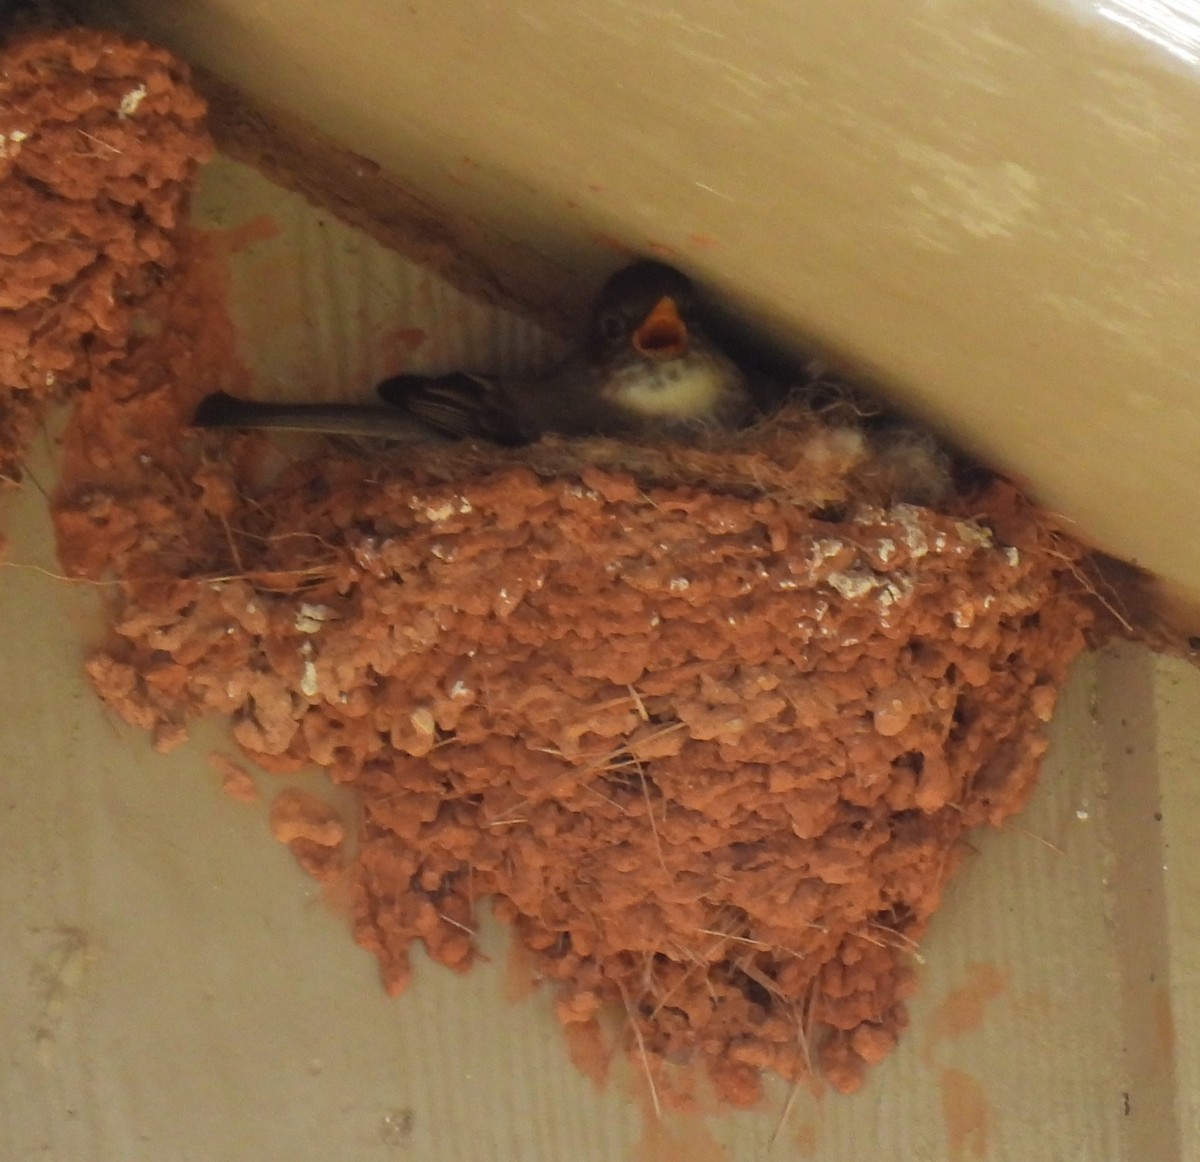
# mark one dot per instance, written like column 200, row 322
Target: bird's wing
column 459, row 405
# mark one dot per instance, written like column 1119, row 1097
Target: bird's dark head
column 647, row 310
column 654, row 361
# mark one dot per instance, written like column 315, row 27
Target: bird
column 645, row 367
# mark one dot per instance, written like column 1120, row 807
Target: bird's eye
column 612, row 328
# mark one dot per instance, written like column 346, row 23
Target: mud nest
column 711, row 753
column 707, row 727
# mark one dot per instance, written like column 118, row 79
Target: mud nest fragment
column 100, row 139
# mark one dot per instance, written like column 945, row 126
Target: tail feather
column 221, row 410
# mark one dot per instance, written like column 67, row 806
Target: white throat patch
column 683, row 388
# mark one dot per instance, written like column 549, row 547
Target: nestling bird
column 645, row 367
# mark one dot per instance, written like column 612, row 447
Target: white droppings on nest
column 964, row 616
column 897, row 589
column 10, row 144
column 309, row 683
column 460, row 690
column 885, row 549
column 506, row 602
column 822, row 550
column 678, row 584
column 581, row 492
column 130, row 102
column 442, row 512
column 973, row 535
column 310, row 618
column 438, row 550
column 1012, row 556
column 907, row 516
column 894, row 592
column 853, row 583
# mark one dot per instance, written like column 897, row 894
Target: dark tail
column 221, row 410
column 224, row 411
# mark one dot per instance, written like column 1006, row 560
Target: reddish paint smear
column 520, row 981
column 966, row 1114
column 268, row 310
column 964, row 1008
column 1164, row 1019
column 588, row 1050
column 702, row 241
column 677, row 1139
column 236, row 781
column 410, row 338
column 805, row 1139
column 610, row 242
column 663, row 249
column 596, row 188
column 260, row 228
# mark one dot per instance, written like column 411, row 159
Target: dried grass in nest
column 815, row 452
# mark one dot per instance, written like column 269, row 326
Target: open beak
column 662, row 334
